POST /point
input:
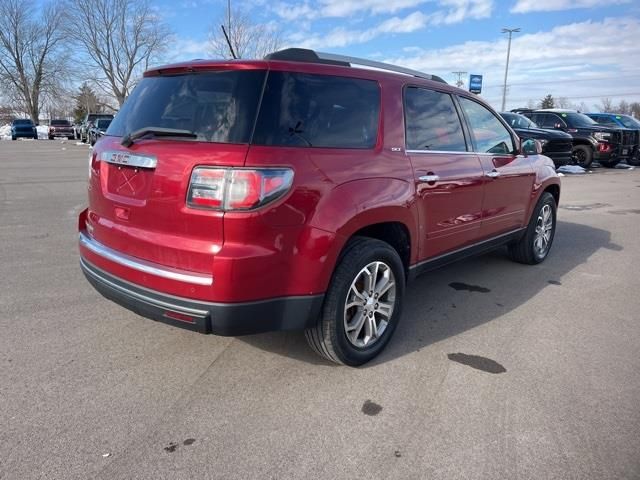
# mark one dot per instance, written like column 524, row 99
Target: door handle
column 429, row 178
column 492, row 174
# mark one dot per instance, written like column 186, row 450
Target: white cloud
column 456, row 11
column 569, row 60
column 447, row 11
column 526, row 6
column 183, row 49
column 341, row 37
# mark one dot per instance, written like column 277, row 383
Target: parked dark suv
column 98, row 130
column 556, row 145
column 591, row 141
column 300, row 192
column 23, row 128
column 630, row 127
column 89, row 122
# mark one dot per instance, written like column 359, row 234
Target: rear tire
column 533, row 247
column 363, row 304
column 582, row 155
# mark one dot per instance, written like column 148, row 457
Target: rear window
column 305, row 110
column 22, row 122
column 578, row 119
column 518, row 121
column 629, row 122
column 61, row 123
column 432, row 122
column 103, row 123
column 215, row 106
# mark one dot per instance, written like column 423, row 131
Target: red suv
column 299, row 192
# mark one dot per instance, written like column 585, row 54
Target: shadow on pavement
column 433, row 309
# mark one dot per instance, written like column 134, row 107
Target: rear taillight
column 92, row 161
column 237, row 188
column 604, row 147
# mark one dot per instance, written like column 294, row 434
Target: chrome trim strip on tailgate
column 130, row 159
column 142, row 265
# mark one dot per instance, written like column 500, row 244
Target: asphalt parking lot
column 90, row 390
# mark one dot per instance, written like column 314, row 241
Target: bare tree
column 531, row 104
column 120, row 38
column 583, row 107
column 564, row 102
column 623, row 107
column 32, row 60
column 248, row 39
column 606, row 105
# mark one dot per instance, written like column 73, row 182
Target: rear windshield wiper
column 128, row 139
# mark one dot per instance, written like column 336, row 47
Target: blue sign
column 475, row 83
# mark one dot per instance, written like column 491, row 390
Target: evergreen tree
column 86, row 102
column 547, row 102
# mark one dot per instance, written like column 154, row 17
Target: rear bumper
column 229, row 319
column 24, row 134
column 61, row 133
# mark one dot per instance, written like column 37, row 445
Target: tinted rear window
column 578, row 119
column 22, row 122
column 518, row 121
column 432, row 122
column 216, row 106
column 62, row 123
column 304, row 110
column 103, row 122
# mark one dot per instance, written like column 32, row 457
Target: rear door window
column 215, row 106
column 305, row 110
column 431, row 121
column 545, row 120
column 490, row 135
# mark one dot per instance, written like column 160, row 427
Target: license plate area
column 127, row 181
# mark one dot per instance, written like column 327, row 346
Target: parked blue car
column 630, row 125
column 23, row 128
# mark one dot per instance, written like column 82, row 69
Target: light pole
column 510, row 31
column 459, row 83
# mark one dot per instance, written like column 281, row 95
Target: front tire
column 582, row 155
column 363, row 304
column 535, row 244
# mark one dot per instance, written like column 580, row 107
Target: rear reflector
column 231, row 189
column 179, row 316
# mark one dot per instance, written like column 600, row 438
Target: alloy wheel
column 369, row 304
column 544, row 231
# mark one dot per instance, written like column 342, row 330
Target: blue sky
column 583, row 50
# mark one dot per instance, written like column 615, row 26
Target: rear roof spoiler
column 311, row 56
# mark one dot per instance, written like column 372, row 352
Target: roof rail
column 306, row 55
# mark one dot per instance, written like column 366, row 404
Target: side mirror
column 531, row 147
